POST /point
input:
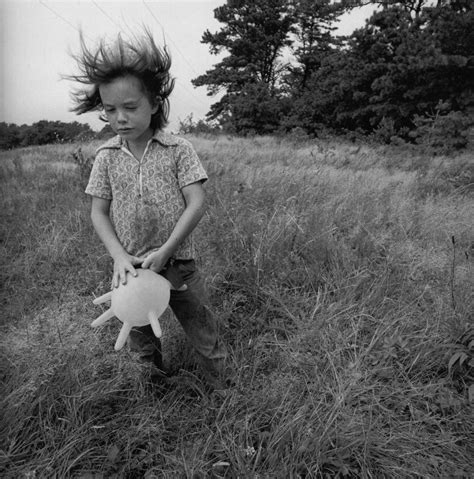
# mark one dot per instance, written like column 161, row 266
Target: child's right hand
column 124, row 264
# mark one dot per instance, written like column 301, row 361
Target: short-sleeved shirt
column 146, row 197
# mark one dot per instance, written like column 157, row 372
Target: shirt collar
column 166, row 139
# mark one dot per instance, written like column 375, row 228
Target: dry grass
column 343, row 277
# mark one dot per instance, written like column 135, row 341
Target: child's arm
column 123, row 262
column 195, row 199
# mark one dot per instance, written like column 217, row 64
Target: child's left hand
column 155, row 261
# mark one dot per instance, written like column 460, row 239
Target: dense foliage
column 412, row 64
column 45, row 132
column 255, row 34
column 42, row 133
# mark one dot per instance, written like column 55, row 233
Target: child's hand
column 155, row 261
column 123, row 265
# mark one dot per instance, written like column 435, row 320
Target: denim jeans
column 191, row 310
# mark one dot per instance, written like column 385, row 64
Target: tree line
column 44, row 132
column 407, row 74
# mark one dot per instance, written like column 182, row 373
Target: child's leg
column 199, row 324
column 142, row 340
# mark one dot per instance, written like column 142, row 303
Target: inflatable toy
column 141, row 301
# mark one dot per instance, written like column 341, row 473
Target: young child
column 146, row 188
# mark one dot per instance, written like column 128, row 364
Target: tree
column 254, row 35
column 314, row 23
column 408, row 58
column 256, row 111
column 387, row 77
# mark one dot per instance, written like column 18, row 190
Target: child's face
column 128, row 108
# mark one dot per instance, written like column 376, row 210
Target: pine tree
column 407, row 60
column 254, row 35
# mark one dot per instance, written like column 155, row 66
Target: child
column 146, row 188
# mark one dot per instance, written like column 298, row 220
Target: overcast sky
column 36, row 36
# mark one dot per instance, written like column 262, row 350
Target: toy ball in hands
column 141, row 301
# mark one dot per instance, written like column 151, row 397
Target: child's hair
column 141, row 58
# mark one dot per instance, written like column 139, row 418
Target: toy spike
column 104, row 298
column 103, row 318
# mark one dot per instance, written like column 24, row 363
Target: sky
column 37, row 37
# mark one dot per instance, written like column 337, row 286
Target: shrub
column 84, row 162
column 442, row 133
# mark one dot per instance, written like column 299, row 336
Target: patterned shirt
column 146, row 197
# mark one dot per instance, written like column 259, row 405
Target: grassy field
column 342, row 276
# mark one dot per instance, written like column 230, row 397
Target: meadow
column 343, row 277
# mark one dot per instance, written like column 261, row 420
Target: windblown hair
column 139, row 57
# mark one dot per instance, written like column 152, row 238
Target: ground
column 342, row 276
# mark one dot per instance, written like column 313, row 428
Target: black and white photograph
column 237, row 239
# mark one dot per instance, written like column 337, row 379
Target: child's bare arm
column 123, row 262
column 195, row 199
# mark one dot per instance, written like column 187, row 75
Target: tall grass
column 343, row 279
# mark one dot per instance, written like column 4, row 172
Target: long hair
column 139, row 57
